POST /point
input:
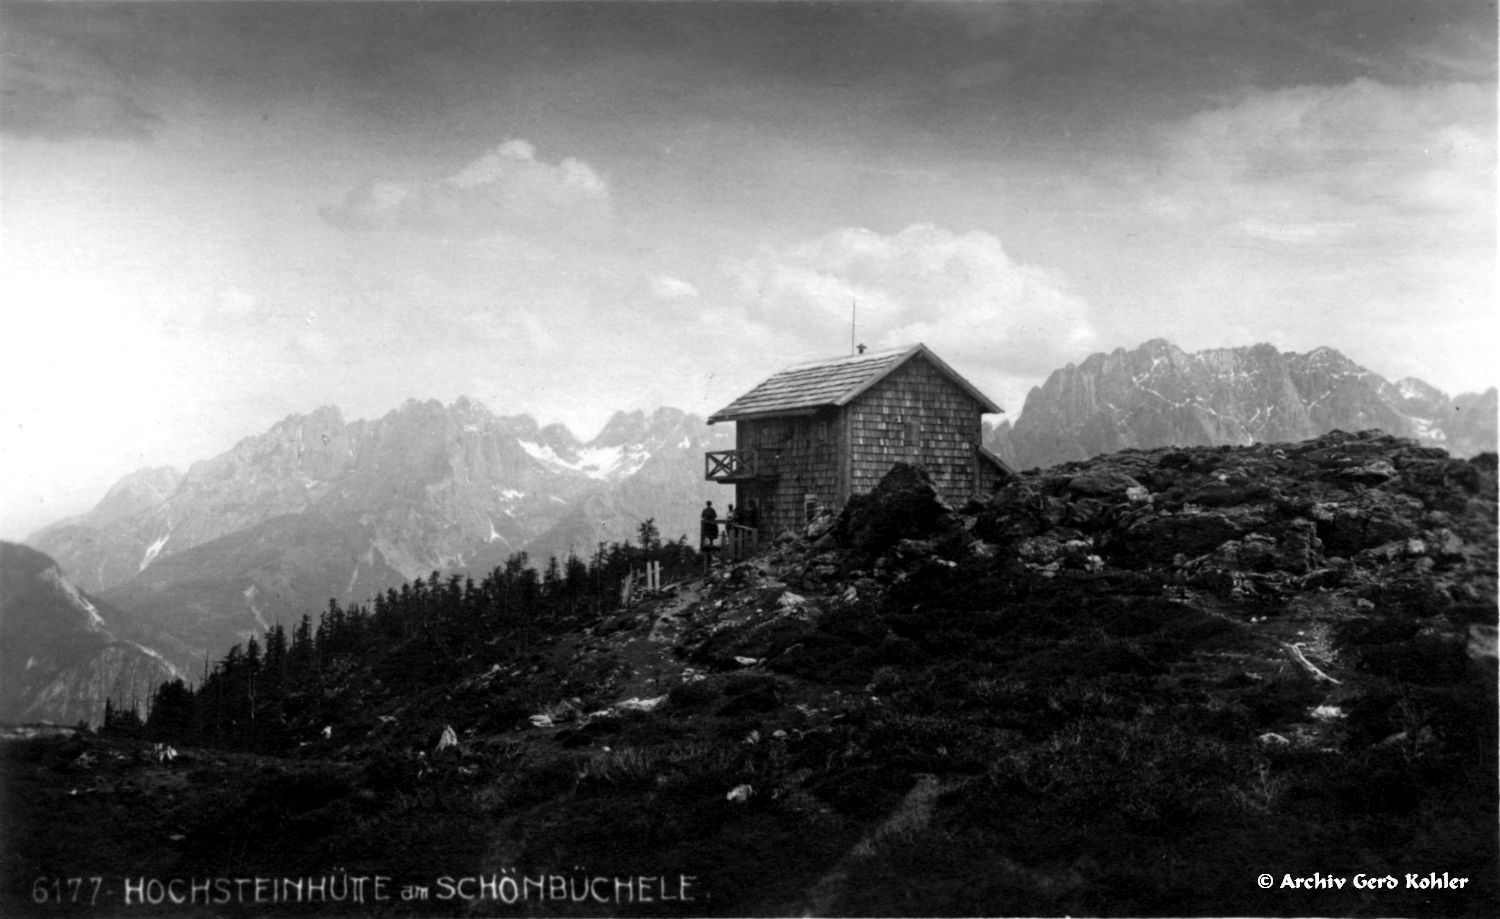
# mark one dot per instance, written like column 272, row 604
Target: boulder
column 1373, row 519
column 1161, row 537
column 1369, row 473
column 1104, row 483
column 905, row 505
column 1020, row 509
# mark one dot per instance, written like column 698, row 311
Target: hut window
column 913, row 434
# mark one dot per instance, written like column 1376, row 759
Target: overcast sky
column 215, row 215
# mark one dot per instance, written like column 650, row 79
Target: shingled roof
column 804, row 388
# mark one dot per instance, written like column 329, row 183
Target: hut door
column 754, row 505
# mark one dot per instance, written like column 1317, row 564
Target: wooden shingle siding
column 916, row 415
column 803, row 453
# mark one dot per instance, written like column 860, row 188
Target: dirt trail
column 654, row 668
column 668, row 615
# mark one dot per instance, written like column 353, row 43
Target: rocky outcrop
column 1346, row 552
column 1362, row 510
column 1159, row 395
column 905, row 505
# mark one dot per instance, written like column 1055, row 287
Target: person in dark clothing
column 710, row 527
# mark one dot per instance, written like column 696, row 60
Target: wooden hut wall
column 803, row 451
column 990, row 478
column 915, row 415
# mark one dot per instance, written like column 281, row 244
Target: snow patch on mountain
column 153, row 550
column 75, row 597
column 1428, row 429
column 601, row 463
column 260, row 618
column 152, row 653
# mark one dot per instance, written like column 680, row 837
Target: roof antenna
column 853, row 319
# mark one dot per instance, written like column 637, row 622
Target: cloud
column 1325, row 162
column 33, row 108
column 961, row 294
column 233, row 302
column 505, row 190
column 667, row 287
column 1288, row 212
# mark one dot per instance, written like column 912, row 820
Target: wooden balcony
column 727, row 466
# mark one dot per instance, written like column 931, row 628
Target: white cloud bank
column 1360, row 216
column 504, row 189
column 1331, row 162
column 1001, row 321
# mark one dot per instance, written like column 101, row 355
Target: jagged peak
column 323, row 414
column 557, row 429
column 623, row 427
column 635, row 425
column 1155, row 345
column 422, row 406
column 159, row 479
column 1323, row 356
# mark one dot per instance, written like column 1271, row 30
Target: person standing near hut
column 709, row 531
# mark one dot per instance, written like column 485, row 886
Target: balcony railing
column 738, row 541
column 738, row 465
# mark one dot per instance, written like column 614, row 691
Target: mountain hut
column 812, row 435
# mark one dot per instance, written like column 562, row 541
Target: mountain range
column 318, row 508
column 1159, row 395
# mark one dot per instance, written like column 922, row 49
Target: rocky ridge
column 61, row 651
column 1159, row 395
